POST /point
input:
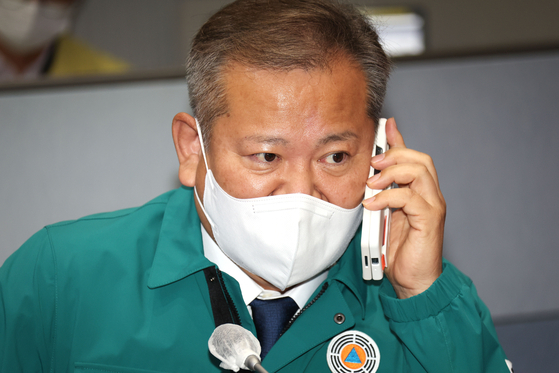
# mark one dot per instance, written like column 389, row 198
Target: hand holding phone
column 376, row 224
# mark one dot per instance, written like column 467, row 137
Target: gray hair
column 281, row 35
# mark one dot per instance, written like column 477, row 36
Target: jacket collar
column 179, row 252
column 348, row 271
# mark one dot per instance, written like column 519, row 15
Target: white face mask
column 26, row 26
column 284, row 239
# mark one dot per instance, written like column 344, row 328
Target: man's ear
column 187, row 145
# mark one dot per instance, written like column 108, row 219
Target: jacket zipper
column 296, row 316
column 230, row 303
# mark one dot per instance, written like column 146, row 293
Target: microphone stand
column 253, row 363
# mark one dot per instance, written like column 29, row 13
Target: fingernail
column 378, row 158
column 373, row 178
column 368, row 202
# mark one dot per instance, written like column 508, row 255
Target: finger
column 393, row 135
column 410, row 202
column 401, row 156
column 414, row 175
column 420, row 214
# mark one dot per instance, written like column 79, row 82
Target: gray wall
column 156, row 33
column 146, row 33
column 457, row 26
column 69, row 152
column 491, row 126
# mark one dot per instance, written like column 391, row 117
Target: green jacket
column 125, row 292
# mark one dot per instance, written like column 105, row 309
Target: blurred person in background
column 34, row 43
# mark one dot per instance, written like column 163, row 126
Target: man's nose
column 300, row 179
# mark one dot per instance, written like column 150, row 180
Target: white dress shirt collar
column 250, row 289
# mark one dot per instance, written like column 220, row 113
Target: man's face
column 292, row 132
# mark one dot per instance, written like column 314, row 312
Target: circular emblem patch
column 353, row 351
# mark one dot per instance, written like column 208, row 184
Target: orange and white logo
column 353, row 351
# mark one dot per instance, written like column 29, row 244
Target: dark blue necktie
column 270, row 317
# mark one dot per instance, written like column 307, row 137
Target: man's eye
column 336, row 158
column 266, row 157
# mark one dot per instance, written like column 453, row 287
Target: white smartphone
column 376, row 224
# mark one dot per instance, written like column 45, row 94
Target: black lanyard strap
column 223, row 308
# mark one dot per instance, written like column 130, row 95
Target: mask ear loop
column 207, row 170
column 202, row 143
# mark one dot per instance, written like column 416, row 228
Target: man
column 286, row 96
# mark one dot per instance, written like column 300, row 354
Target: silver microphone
column 236, row 347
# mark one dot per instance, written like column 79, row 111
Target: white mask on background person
column 26, row 26
column 284, row 239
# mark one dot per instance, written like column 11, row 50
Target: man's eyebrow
column 343, row 136
column 270, row 140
